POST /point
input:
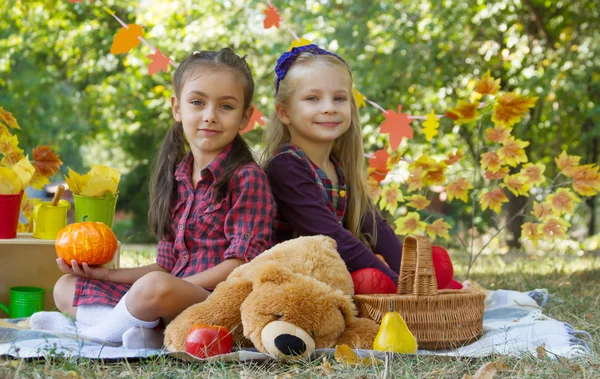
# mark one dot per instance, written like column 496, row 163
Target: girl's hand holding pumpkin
column 85, row 271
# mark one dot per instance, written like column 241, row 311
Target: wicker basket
column 443, row 319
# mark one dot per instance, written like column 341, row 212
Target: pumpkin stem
column 84, row 218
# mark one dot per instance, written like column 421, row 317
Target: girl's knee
column 151, row 288
column 64, row 292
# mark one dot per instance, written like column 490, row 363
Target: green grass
column 573, row 282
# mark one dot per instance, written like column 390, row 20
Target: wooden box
column 28, row 261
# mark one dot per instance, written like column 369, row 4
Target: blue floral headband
column 287, row 59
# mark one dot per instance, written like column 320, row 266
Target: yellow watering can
column 49, row 217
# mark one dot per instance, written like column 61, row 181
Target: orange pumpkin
column 90, row 242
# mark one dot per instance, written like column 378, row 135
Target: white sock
column 143, row 338
column 92, row 314
column 115, row 324
column 56, row 321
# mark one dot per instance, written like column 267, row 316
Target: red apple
column 205, row 341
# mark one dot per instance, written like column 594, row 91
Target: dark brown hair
column 175, row 146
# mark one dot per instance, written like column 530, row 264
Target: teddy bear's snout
column 290, row 345
column 283, row 340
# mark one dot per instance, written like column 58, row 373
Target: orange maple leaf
column 46, row 161
column 273, row 17
column 439, row 228
column 487, row 85
column 398, row 126
column 454, row 157
column 490, row 161
column 160, row 62
column 510, row 108
column 493, row 199
column 126, row 39
column 586, row 180
column 458, row 189
column 464, row 112
column 501, row 173
column 542, row 210
column 531, row 231
column 497, row 134
column 257, row 116
column 378, row 165
column 567, row 163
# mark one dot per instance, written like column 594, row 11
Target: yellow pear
column 394, row 336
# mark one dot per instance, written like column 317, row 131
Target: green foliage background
column 59, row 79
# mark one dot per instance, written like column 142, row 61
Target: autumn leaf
column 9, row 148
column 24, row 170
column 487, row 85
column 391, row 195
column 126, row 39
column 510, row 108
column 531, row 232
column 159, row 62
column 493, row 199
column 586, row 180
column 424, row 162
column 563, row 201
column 497, row 134
column 46, row 161
column 534, row 173
column 374, row 189
column 38, row 181
column 346, row 356
column 516, row 184
column 490, row 161
column 7, row 120
column 488, row 370
column 454, row 157
column 458, row 189
column 431, row 125
column 500, row 174
column 541, row 351
column 566, row 163
column 398, row 127
column 512, row 153
column 439, row 228
column 417, row 201
column 378, row 165
column 554, row 227
column 411, row 223
column 542, row 210
column 257, row 117
column 415, row 178
column 464, row 112
column 298, row 43
column 273, row 17
column 359, row 97
column 434, row 171
column 394, row 159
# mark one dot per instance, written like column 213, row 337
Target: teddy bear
column 290, row 300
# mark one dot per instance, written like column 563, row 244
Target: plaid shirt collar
column 216, row 167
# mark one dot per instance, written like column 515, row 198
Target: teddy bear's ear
column 271, row 273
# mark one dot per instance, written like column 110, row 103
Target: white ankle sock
column 56, row 321
column 92, row 314
column 143, row 338
column 118, row 321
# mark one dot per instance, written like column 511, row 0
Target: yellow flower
column 554, row 227
column 510, row 108
column 438, row 228
column 490, row 161
column 458, row 189
column 534, row 173
column 512, row 152
column 563, row 201
column 531, row 232
column 417, row 201
column 516, row 184
column 464, row 112
column 390, row 197
column 411, row 223
column 487, row 85
column 493, row 199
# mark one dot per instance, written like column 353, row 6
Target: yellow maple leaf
column 487, row 85
column 10, row 184
column 566, row 163
column 411, row 223
column 415, row 178
column 454, row 157
column 27, row 205
column 458, row 189
column 439, row 228
column 435, row 176
column 346, row 356
column 359, row 97
column 9, row 148
column 24, row 170
column 490, row 161
column 8, row 120
column 563, row 201
column 374, row 189
column 500, row 174
column 464, row 112
column 431, row 125
column 516, row 184
column 417, row 201
column 38, row 181
column 391, row 195
column 542, row 210
column 394, row 159
column 497, row 133
column 534, row 173
column 586, row 180
column 512, row 153
column 493, row 199
column 510, row 108
column 531, row 231
column 554, row 227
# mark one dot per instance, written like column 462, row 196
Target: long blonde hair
column 348, row 149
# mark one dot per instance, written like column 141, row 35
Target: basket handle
column 417, row 275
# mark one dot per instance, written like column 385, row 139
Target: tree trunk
column 513, row 230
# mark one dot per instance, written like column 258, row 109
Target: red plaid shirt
column 205, row 233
